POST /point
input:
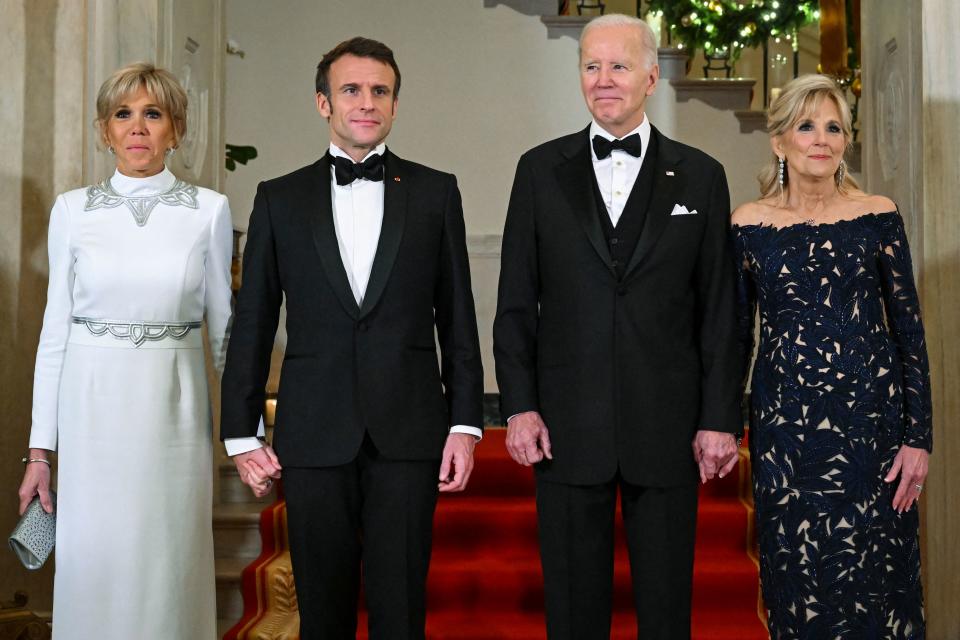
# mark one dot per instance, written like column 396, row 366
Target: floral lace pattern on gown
column 840, row 382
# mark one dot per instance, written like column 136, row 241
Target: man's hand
column 258, row 469
column 911, row 465
column 457, row 462
column 528, row 441
column 715, row 453
column 36, row 481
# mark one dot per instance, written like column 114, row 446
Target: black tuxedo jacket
column 623, row 371
column 352, row 369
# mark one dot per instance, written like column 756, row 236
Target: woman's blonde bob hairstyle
column 160, row 84
column 801, row 97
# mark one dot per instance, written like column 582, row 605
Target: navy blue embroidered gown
column 840, row 382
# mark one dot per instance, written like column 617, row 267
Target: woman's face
column 140, row 133
column 813, row 147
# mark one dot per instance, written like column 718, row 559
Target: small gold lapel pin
column 396, row 178
column 669, row 173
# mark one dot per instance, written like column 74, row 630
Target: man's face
column 615, row 77
column 361, row 107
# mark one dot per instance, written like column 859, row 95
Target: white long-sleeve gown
column 130, row 416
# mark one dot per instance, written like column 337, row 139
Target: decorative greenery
column 239, row 153
column 723, row 28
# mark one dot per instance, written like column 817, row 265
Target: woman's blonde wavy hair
column 799, row 98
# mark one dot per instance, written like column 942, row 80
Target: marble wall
column 41, row 134
column 912, row 100
column 56, row 54
column 940, row 291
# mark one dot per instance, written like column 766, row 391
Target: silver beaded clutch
column 34, row 536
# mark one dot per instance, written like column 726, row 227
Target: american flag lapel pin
column 396, row 178
column 669, row 173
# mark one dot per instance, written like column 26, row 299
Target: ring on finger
column 918, row 487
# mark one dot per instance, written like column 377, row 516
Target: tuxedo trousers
column 369, row 520
column 576, row 530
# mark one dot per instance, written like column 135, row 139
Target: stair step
column 729, row 94
column 224, row 625
column 229, row 596
column 513, row 581
column 484, row 524
column 570, row 26
column 479, row 625
column 527, row 7
column 236, row 531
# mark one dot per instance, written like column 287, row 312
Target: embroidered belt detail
column 137, row 332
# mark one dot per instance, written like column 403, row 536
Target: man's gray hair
column 648, row 39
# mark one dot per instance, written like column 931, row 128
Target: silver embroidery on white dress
column 138, row 332
column 104, row 196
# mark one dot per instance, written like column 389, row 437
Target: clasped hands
column 258, row 469
column 716, row 453
column 528, row 442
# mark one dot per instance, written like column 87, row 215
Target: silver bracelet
column 26, row 460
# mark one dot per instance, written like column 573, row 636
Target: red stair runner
column 485, row 581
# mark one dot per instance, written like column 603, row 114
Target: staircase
column 486, row 583
column 236, row 540
column 485, row 580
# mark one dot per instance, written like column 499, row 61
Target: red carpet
column 485, row 581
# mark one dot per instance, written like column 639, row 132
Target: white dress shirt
column 357, row 219
column 617, row 172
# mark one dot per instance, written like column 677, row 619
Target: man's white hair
column 648, row 40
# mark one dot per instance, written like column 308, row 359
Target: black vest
column 622, row 239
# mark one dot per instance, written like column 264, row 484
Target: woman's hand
column 36, row 480
column 911, row 465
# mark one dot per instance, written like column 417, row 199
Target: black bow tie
column 603, row 147
column 346, row 170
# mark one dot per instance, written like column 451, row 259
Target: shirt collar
column 337, row 152
column 643, row 129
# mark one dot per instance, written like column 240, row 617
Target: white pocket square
column 680, row 210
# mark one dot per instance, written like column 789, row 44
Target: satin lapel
column 668, row 188
column 391, row 231
column 325, row 236
column 575, row 176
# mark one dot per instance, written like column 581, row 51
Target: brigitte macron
column 136, row 263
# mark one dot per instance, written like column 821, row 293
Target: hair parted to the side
column 647, row 38
column 799, row 98
column 159, row 83
column 362, row 48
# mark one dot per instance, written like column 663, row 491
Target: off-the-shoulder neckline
column 795, row 225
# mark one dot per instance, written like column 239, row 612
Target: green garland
column 726, row 27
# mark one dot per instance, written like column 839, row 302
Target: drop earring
column 781, row 171
column 169, row 152
column 841, row 172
